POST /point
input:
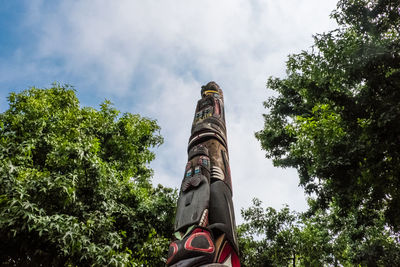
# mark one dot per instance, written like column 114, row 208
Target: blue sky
column 151, row 57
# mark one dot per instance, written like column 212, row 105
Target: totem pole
column 205, row 230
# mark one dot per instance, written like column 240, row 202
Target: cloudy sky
column 151, row 57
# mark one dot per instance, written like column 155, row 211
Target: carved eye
column 197, row 170
column 200, row 241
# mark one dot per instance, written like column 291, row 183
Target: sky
column 152, row 57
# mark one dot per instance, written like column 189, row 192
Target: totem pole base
column 215, row 265
column 185, row 263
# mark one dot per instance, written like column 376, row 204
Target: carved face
column 211, row 89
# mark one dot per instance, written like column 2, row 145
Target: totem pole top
column 211, row 88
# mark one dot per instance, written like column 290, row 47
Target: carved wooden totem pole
column 205, row 230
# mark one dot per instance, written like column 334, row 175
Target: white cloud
column 156, row 55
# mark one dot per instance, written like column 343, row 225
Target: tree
column 336, row 119
column 337, row 116
column 268, row 237
column 75, row 187
column 286, row 238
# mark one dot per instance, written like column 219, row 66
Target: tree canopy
column 285, row 238
column 268, row 236
column 75, row 184
column 336, row 116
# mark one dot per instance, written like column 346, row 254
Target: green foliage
column 281, row 238
column 269, row 236
column 336, row 119
column 75, row 187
